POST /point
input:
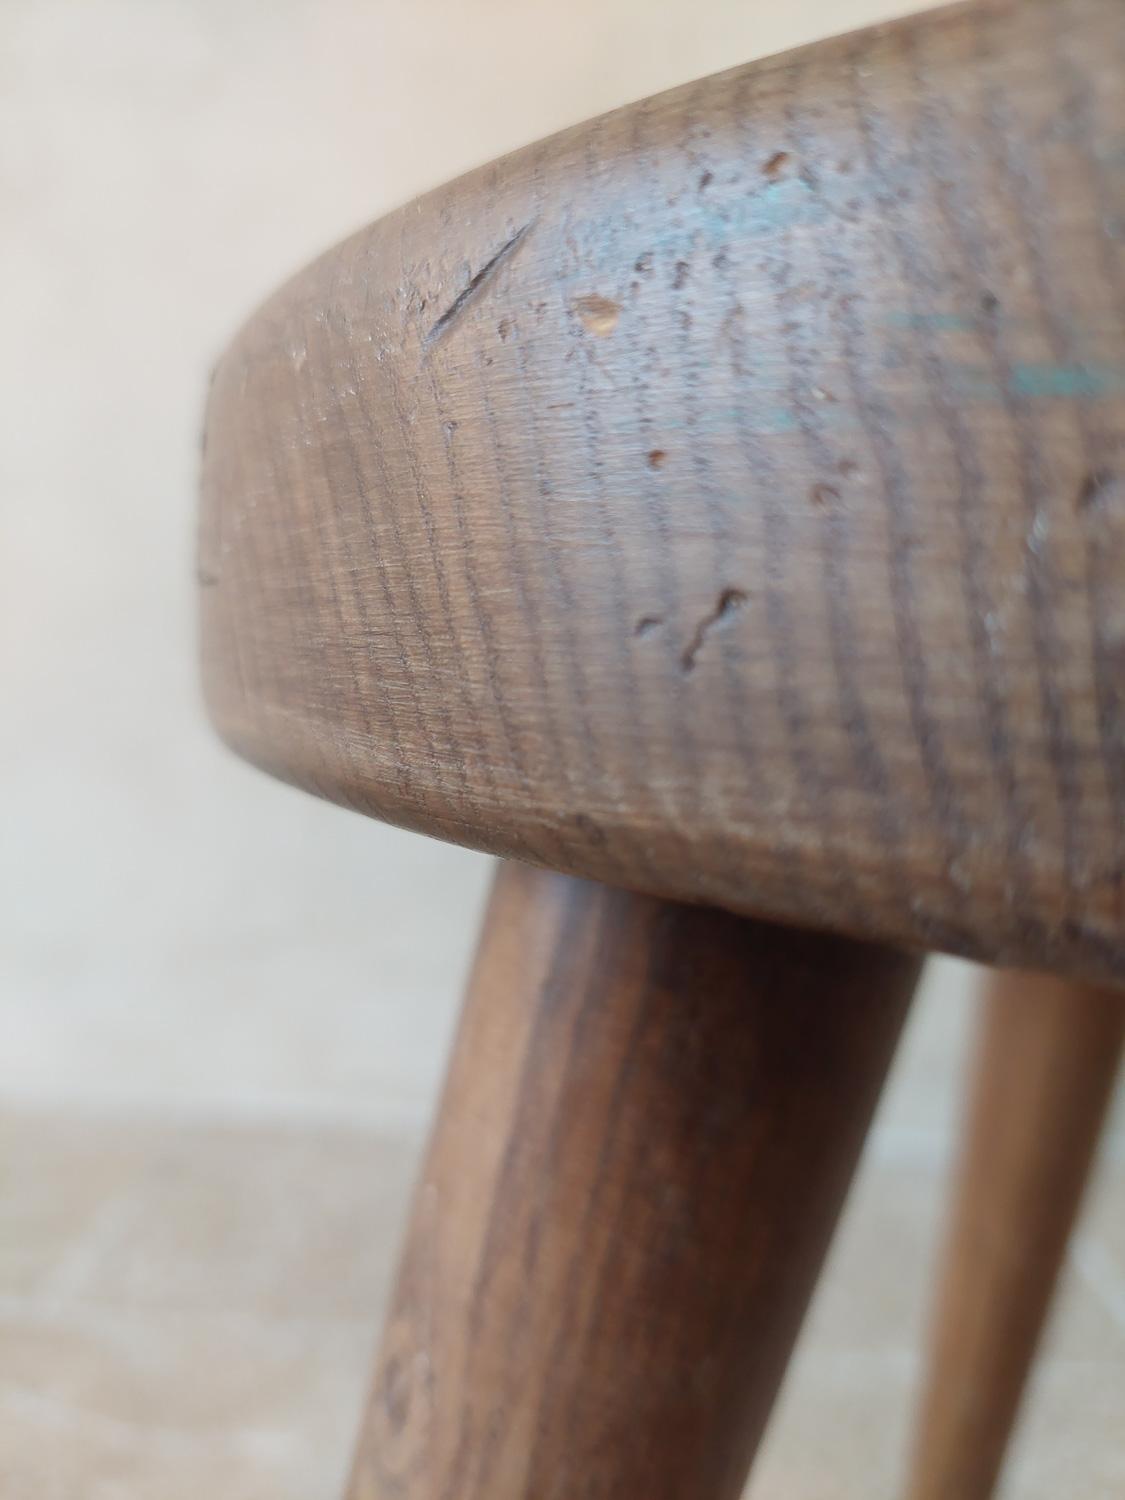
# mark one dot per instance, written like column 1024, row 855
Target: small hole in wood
column 1097, row 489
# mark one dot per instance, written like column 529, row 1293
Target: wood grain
column 724, row 498
column 1048, row 1057
column 648, row 1128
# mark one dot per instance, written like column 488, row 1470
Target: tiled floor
column 187, row 1306
column 222, row 1006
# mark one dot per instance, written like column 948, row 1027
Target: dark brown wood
column 724, row 498
column 1047, row 1061
column 650, row 1122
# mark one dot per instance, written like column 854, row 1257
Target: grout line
column 82, row 1311
column 286, row 1113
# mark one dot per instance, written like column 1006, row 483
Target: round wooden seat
column 725, row 498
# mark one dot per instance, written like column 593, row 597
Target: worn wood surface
column 650, row 1121
column 1047, row 1061
column 724, row 498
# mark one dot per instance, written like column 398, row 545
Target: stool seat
column 724, row 498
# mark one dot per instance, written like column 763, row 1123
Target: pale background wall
column 223, row 1006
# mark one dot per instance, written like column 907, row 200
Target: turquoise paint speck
column 935, row 322
column 1076, row 382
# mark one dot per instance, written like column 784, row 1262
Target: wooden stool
column 719, row 509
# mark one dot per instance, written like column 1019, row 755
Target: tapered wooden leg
column 648, row 1128
column 1048, row 1055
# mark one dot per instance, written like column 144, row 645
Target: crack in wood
column 442, row 326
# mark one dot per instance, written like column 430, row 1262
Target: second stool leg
column 1047, row 1060
column 647, row 1131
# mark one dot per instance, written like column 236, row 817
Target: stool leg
column 647, row 1131
column 1047, row 1058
